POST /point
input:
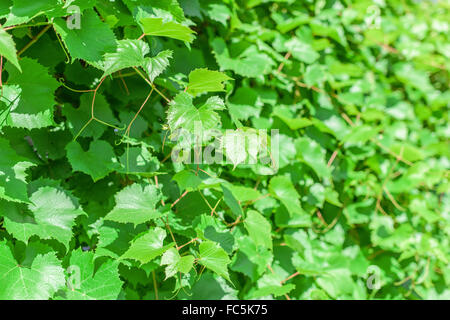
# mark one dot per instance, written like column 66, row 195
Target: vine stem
column 127, row 131
column 290, row 277
column 189, row 242
column 34, row 39
column 155, row 285
column 151, row 84
column 137, row 113
column 273, row 272
column 93, row 118
column 26, row 25
column 181, row 197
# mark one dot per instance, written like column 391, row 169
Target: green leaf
column 243, row 194
column 83, row 43
column 213, row 257
column 32, row 92
column 231, row 201
column 302, row 51
column 13, row 184
column 187, row 180
column 148, row 246
column 282, row 188
column 245, row 103
column 183, row 114
column 171, row 29
column 129, row 53
column 53, row 216
column 361, row 134
column 135, row 204
column 39, row 281
column 259, row 229
column 79, row 117
column 97, row 162
column 23, row 12
column 314, row 156
column 204, row 80
column 176, row 263
column 288, row 117
column 86, row 284
column 250, row 63
column 8, row 48
column 158, row 64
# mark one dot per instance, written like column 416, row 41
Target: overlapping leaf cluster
column 93, row 207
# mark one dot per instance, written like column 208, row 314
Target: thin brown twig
column 286, row 57
column 290, row 277
column 189, row 242
column 271, row 270
column 181, row 197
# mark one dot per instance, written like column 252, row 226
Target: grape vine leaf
column 8, row 48
column 259, row 229
column 53, row 216
column 176, row 263
column 85, row 284
column 97, row 162
column 213, row 257
column 250, row 63
column 282, row 188
column 13, row 184
column 148, row 246
column 183, row 114
column 22, row 12
column 135, row 204
column 36, row 87
column 171, row 29
column 38, row 282
column 129, row 53
column 157, row 64
column 78, row 117
column 204, row 80
column 83, row 43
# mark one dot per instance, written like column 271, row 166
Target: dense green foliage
column 93, row 207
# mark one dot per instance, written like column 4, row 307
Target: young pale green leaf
column 213, row 257
column 97, row 162
column 282, row 188
column 302, row 51
column 204, row 80
column 183, row 114
column 40, row 281
column 8, row 48
column 148, row 246
column 259, row 229
column 157, row 64
column 187, row 180
column 176, row 263
column 312, row 153
column 129, row 53
column 135, row 204
column 171, row 29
